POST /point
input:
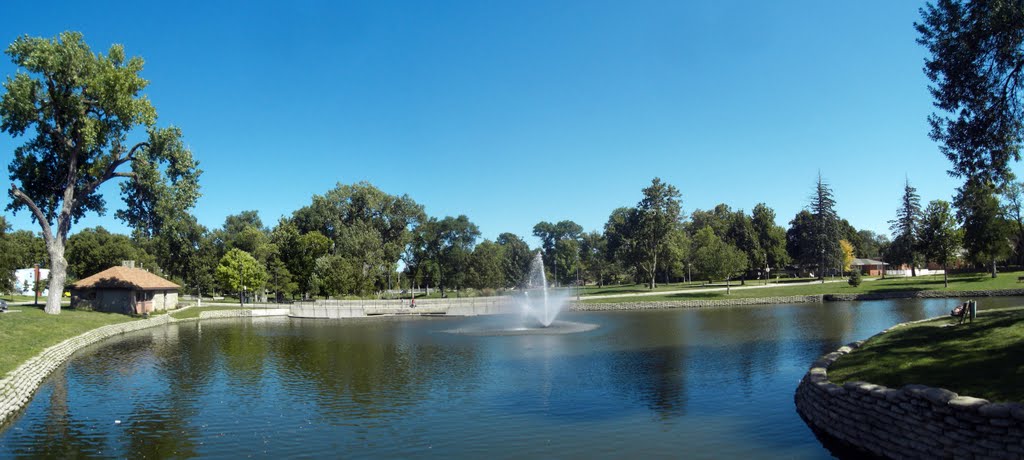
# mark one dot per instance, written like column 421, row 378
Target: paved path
column 711, row 289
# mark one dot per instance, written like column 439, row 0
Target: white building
column 25, row 280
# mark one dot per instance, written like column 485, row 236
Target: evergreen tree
column 905, row 229
column 824, row 229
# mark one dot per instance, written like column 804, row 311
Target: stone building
column 125, row 289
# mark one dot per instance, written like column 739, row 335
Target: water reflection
column 712, row 383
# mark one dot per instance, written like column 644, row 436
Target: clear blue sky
column 518, row 112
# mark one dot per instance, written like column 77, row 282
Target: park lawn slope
column 28, row 332
column 959, row 282
column 981, row 359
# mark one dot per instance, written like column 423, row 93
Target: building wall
column 109, row 300
column 26, row 280
column 165, row 300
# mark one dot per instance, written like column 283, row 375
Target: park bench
column 963, row 311
column 1020, row 278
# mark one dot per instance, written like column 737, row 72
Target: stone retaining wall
column 17, row 388
column 580, row 306
column 915, row 421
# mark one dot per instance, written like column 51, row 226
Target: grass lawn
column 194, row 311
column 960, row 282
column 26, row 333
column 982, row 359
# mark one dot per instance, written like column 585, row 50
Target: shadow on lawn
column 980, row 359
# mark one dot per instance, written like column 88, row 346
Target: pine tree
column 906, row 228
column 825, row 228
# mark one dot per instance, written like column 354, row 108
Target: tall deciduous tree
column 940, row 237
column 8, row 262
column 93, row 250
column 717, row 259
column 441, row 250
column 770, row 236
column 658, row 213
column 239, row 271
column 78, row 110
column 905, row 229
column 515, row 259
column 1013, row 195
column 550, row 234
column 976, row 66
column 984, row 229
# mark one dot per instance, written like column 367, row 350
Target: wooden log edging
column 915, row 421
column 662, row 305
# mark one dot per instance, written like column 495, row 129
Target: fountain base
column 556, row 328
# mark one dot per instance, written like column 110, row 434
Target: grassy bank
column 961, row 282
column 982, row 359
column 28, row 332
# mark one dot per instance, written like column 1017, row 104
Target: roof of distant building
column 125, row 278
column 867, row 262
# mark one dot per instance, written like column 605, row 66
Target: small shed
column 125, row 289
column 868, row 267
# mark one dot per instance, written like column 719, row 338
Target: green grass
column 961, row 282
column 30, row 331
column 980, row 359
column 194, row 311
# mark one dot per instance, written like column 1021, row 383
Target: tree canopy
column 79, row 112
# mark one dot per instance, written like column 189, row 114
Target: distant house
column 125, row 289
column 25, row 281
column 868, row 267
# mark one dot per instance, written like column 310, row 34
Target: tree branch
column 111, row 171
column 38, row 213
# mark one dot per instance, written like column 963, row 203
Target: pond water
column 713, row 383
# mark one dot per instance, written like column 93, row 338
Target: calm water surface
column 686, row 383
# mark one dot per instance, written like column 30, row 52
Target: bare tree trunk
column 727, row 287
column 945, row 275
column 58, row 275
column 654, row 270
column 993, row 267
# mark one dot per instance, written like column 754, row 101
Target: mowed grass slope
column 960, row 282
column 26, row 333
column 984, row 359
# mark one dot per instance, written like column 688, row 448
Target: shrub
column 855, row 278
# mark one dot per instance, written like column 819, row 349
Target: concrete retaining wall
column 243, row 313
column 467, row 306
column 915, row 421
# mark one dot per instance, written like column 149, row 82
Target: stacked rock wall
column 915, row 421
column 17, row 388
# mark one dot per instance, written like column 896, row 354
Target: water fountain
column 542, row 305
column 538, row 308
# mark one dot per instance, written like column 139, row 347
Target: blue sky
column 518, row 112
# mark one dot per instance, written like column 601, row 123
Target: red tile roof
column 125, row 278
